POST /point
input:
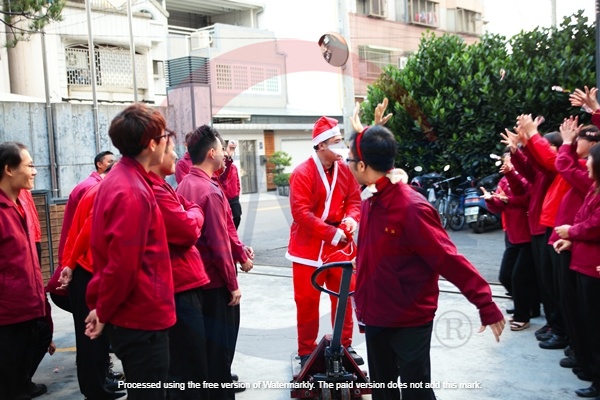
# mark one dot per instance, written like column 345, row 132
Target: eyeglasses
column 349, row 160
column 168, row 133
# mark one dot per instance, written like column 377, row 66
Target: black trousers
column 187, row 346
column 92, row 355
column 145, row 358
column 236, row 210
column 41, row 346
column 222, row 323
column 588, row 302
column 509, row 257
column 568, row 302
column 557, row 321
column 62, row 302
column 400, row 352
column 538, row 251
column 523, row 277
column 16, row 354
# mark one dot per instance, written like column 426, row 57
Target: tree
column 452, row 100
column 281, row 159
column 25, row 17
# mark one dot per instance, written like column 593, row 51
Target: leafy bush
column 282, row 179
column 452, row 100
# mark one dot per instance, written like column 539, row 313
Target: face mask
column 340, row 149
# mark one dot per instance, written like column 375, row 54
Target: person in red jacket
column 325, row 201
column 183, row 223
column 131, row 295
column 231, row 184
column 516, row 270
column 222, row 295
column 22, row 301
column 583, row 238
column 102, row 161
column 402, row 251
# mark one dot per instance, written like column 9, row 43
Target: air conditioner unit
column 402, row 62
column 200, row 40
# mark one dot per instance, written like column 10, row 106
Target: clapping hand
column 586, row 98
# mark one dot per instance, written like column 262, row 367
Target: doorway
column 248, row 166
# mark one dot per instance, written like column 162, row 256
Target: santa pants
column 307, row 305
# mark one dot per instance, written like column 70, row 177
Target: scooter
column 477, row 215
column 330, row 372
column 425, row 183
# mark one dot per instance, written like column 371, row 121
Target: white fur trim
column 305, row 261
column 321, row 137
column 337, row 237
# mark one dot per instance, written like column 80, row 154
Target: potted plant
column 281, row 159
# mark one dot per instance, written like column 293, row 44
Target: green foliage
column 25, row 17
column 282, row 179
column 451, row 101
column 280, row 159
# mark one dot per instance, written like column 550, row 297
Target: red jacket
column 585, row 234
column 74, row 198
column 402, row 251
column 215, row 242
column 21, row 285
column 231, row 182
column 183, row 223
column 539, row 180
column 132, row 286
column 77, row 250
column 514, row 213
column 183, row 166
column 26, row 199
column 316, row 219
column 575, row 173
column 546, row 157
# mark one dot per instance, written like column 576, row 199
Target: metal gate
column 248, row 166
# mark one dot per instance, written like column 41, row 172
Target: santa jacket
column 318, row 208
column 132, row 286
column 21, row 284
column 183, row 222
column 402, row 251
column 585, row 235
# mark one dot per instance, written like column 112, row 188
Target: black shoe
column 543, row 333
column 554, row 342
column 569, row 352
column 591, row 391
column 37, row 389
column 567, row 362
column 357, row 359
column 112, row 385
column 234, row 377
column 510, row 310
column 116, row 375
column 304, row 359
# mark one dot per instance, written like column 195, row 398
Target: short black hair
column 100, row 156
column 10, row 155
column 378, row 148
column 590, row 133
column 201, row 141
column 554, row 138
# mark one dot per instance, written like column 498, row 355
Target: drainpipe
column 132, row 50
column 51, row 144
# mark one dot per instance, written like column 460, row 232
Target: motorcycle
column 426, row 183
column 477, row 215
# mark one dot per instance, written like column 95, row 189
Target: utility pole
column 132, row 49
column 347, row 75
column 92, row 64
column 553, row 6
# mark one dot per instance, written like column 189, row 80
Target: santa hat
column 324, row 129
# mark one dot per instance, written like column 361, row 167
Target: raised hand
column 569, row 129
column 528, row 125
column 510, row 139
column 586, row 98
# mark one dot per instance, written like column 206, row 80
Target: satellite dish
column 334, row 49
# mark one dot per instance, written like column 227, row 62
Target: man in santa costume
column 325, row 204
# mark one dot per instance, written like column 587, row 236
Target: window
column 113, row 67
column 423, row 12
column 372, row 8
column 466, row 21
column 372, row 59
column 255, row 79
